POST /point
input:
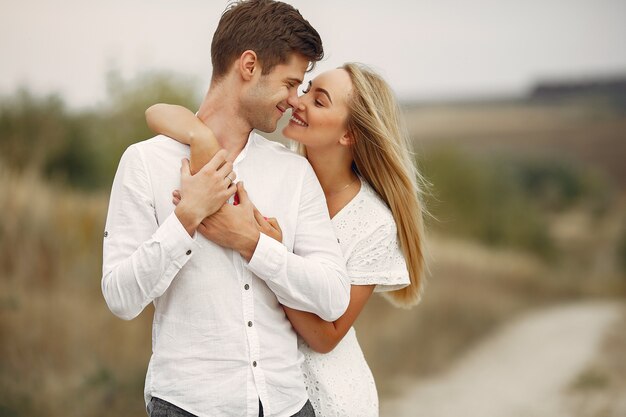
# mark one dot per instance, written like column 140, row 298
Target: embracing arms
column 322, row 336
column 181, row 124
column 313, row 277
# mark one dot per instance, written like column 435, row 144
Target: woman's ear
column 248, row 65
column 347, row 139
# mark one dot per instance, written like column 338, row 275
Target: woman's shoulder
column 374, row 258
column 375, row 208
column 367, row 217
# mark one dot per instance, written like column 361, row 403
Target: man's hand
column 204, row 193
column 233, row 226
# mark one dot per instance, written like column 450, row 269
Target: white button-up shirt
column 220, row 338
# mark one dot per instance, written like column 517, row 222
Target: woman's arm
column 322, row 336
column 180, row 124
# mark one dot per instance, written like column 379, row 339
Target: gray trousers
column 161, row 408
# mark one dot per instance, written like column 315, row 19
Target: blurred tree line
column 508, row 200
column 81, row 148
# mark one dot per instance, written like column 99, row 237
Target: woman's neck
column 335, row 174
column 333, row 169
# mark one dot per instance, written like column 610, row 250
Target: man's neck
column 221, row 113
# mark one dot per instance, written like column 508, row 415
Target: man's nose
column 293, row 100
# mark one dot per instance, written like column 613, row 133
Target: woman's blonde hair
column 382, row 156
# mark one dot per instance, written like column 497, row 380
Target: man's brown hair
column 272, row 29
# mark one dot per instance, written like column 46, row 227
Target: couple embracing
column 257, row 259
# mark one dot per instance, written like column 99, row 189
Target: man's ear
column 248, row 65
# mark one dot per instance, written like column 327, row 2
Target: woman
column 348, row 126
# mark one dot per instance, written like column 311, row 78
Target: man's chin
column 267, row 128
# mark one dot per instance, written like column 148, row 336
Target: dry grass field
column 63, row 353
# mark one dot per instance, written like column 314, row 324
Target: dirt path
column 520, row 371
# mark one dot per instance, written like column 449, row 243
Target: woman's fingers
column 276, row 231
column 260, row 220
column 268, row 226
column 176, row 197
column 226, row 170
column 216, row 162
column 274, row 223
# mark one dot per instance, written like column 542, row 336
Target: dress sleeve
column 377, row 259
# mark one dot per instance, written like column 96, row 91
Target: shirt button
column 106, row 234
column 246, row 287
column 189, row 252
column 249, row 324
column 254, row 364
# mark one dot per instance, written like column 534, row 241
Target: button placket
column 248, row 307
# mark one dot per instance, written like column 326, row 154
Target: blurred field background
column 528, row 200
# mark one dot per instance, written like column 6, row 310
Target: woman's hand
column 268, row 226
column 205, row 192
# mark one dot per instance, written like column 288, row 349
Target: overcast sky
column 425, row 48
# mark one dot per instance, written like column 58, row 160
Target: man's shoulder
column 158, row 142
column 157, row 146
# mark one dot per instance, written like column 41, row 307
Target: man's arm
column 313, row 278
column 141, row 257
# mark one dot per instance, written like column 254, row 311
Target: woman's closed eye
column 317, row 101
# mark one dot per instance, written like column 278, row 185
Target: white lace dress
column 340, row 383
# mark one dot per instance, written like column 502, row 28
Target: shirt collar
column 244, row 151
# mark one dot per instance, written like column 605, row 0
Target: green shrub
column 484, row 199
column 82, row 147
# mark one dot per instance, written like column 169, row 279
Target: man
column 221, row 343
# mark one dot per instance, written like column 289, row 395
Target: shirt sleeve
column 377, row 260
column 140, row 257
column 313, row 278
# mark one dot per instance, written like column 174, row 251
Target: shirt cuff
column 175, row 239
column 267, row 257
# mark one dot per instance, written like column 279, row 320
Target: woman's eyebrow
column 321, row 90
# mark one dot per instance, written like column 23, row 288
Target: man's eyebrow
column 321, row 90
column 295, row 80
